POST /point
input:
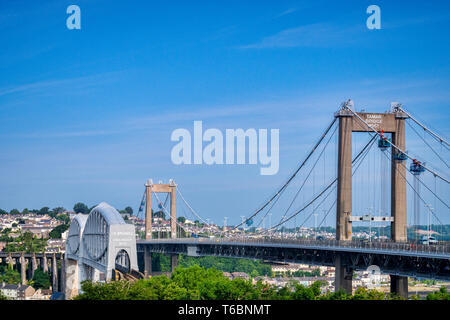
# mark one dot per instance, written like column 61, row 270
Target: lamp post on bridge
column 430, row 210
column 315, row 224
column 224, row 223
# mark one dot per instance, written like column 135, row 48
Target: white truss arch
column 96, row 243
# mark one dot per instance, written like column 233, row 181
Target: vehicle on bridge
column 428, row 240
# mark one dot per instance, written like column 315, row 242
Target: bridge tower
column 170, row 188
column 150, row 188
column 391, row 122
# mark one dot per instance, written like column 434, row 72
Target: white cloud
column 312, row 35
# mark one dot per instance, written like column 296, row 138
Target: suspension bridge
column 351, row 182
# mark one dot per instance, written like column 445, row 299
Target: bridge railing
column 441, row 248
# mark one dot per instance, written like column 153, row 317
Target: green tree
column 442, row 294
column 27, row 240
column 59, row 210
column 44, row 211
column 129, row 210
column 181, row 219
column 198, row 283
column 57, row 231
column 14, row 212
column 337, row 295
column 81, row 208
column 365, row 294
column 2, row 297
column 10, row 276
column 159, row 214
column 3, row 212
column 41, row 279
column 64, row 218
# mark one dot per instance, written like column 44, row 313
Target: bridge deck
column 391, row 248
column 402, row 259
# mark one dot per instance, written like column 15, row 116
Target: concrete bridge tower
column 394, row 123
column 150, row 188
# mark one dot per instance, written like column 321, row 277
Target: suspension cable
column 398, row 171
column 324, row 190
column 190, row 208
column 141, row 205
column 423, row 183
column 290, row 178
column 432, row 149
column 164, row 208
column 310, row 171
column 442, row 140
column 393, row 145
column 371, row 142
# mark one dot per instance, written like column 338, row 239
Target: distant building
column 307, row 281
column 241, row 275
column 41, row 294
column 285, row 268
column 228, row 275
column 38, row 231
column 17, row 291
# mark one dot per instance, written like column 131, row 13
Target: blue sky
column 86, row 115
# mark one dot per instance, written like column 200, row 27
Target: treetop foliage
column 198, row 283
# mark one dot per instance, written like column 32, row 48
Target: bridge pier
column 54, row 273
column 33, row 265
column 23, row 269
column 399, row 285
column 10, row 261
column 343, row 276
column 44, row 263
column 62, row 279
column 71, row 278
column 173, row 262
column 147, row 263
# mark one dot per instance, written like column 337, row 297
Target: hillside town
column 46, row 231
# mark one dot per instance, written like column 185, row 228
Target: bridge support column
column 54, row 273
column 343, row 276
column 344, row 183
column 398, row 183
column 62, row 279
column 399, row 285
column 23, row 269
column 148, row 210
column 44, row 262
column 173, row 262
column 33, row 264
column 173, row 210
column 10, row 261
column 147, row 263
column 71, row 278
